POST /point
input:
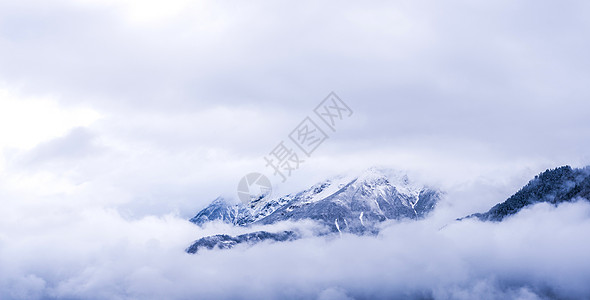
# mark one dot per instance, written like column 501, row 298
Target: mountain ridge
column 353, row 204
column 373, row 193
column 358, row 204
column 555, row 186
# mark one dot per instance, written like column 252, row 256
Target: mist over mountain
column 548, row 211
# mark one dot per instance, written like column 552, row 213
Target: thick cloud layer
column 540, row 253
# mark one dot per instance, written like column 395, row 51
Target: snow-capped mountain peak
column 354, row 204
column 345, row 202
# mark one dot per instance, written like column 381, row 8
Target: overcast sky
column 137, row 109
column 163, row 106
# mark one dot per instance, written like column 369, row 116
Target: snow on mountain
column 357, row 204
column 354, row 204
column 350, row 203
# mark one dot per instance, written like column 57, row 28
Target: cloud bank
column 537, row 254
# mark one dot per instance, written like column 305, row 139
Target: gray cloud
column 76, row 145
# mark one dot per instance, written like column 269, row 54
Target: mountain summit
column 351, row 203
column 354, row 204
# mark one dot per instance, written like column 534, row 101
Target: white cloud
column 25, row 122
column 98, row 254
